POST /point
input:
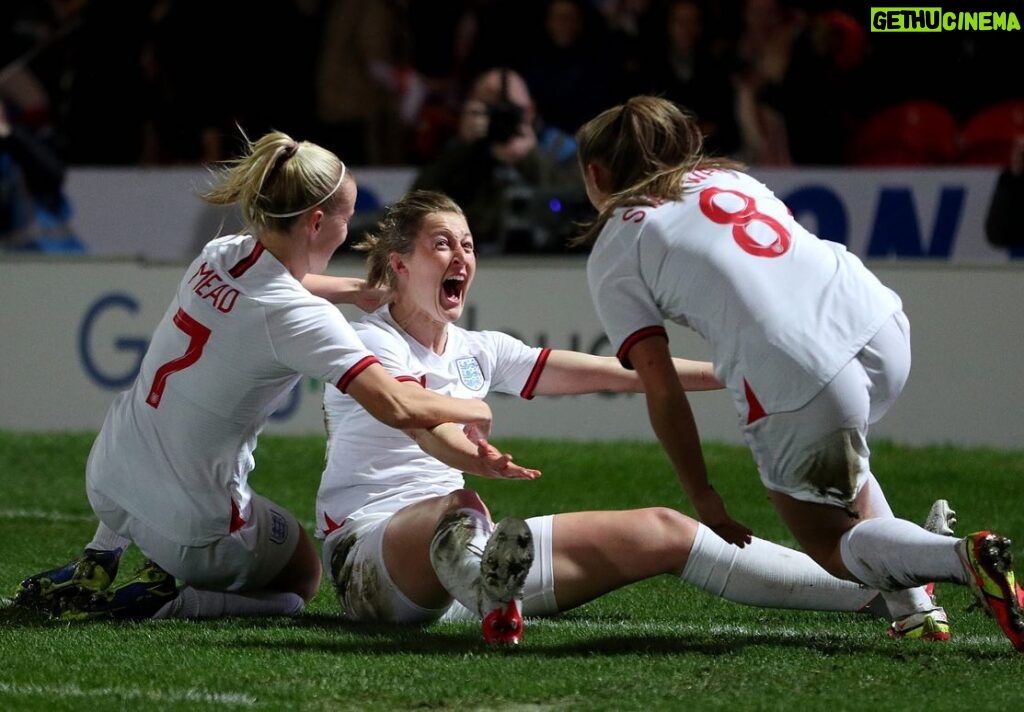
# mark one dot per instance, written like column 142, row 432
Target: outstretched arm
column 345, row 290
column 450, row 444
column 673, row 423
column 572, row 372
column 409, row 406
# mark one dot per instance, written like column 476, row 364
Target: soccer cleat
column 986, row 558
column 137, row 599
column 941, row 518
column 504, row 565
column 927, row 625
column 503, row 626
column 90, row 573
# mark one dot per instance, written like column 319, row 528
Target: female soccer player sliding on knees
column 404, row 535
column 811, row 345
column 169, row 469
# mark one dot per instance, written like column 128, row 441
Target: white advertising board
column 879, row 214
column 73, row 331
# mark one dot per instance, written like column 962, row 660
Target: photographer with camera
column 500, row 161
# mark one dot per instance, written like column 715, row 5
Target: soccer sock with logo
column 768, row 575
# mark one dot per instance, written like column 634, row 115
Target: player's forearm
column 407, row 406
column 336, row 290
column 448, row 443
column 674, row 424
column 696, row 375
column 571, row 372
column 421, row 408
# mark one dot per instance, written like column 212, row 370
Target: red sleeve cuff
column 538, row 368
column 360, row 366
column 635, row 338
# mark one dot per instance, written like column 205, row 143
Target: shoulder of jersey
column 373, row 328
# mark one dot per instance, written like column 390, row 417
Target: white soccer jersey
column 782, row 310
column 176, row 448
column 375, row 468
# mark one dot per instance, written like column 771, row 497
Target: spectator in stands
column 571, row 70
column 188, row 110
column 365, row 51
column 503, row 149
column 763, row 51
column 825, row 63
column 689, row 72
column 91, row 69
column 34, row 213
column 636, row 34
column 1002, row 224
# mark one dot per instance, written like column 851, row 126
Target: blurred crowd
column 483, row 97
column 382, row 82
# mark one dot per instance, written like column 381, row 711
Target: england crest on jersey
column 470, row 373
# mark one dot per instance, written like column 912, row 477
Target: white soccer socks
column 195, row 603
column 894, row 554
column 768, row 575
column 106, row 539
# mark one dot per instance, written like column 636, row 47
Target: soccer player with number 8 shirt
column 811, row 345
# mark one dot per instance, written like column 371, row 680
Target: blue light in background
column 555, row 205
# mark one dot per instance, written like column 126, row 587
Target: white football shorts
column 246, row 559
column 354, row 558
column 819, row 453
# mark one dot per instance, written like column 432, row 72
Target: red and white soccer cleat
column 503, row 625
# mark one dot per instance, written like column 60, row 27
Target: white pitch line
column 44, row 515
column 732, row 630
column 126, row 693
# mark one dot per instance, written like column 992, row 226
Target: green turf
column 655, row 645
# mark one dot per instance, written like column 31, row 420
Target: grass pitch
column 659, row 644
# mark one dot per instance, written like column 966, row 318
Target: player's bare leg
column 587, row 554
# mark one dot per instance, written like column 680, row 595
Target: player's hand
column 711, row 511
column 369, row 300
column 498, row 465
column 477, row 433
column 732, row 531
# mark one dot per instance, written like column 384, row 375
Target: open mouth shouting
column 453, row 291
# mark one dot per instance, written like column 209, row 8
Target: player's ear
column 314, row 220
column 598, row 176
column 398, row 265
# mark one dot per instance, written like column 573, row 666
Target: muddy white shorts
column 246, row 559
column 819, row 453
column 354, row 557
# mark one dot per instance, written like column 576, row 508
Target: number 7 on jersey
column 198, row 335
